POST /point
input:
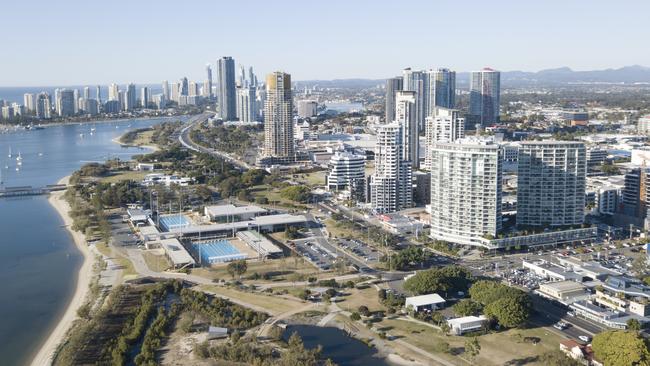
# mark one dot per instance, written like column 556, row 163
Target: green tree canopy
column 446, row 279
column 621, row 348
column 467, row 307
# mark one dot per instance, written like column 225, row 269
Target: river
column 39, row 261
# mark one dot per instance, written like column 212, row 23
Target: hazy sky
column 74, row 42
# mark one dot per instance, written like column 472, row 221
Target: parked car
column 584, row 338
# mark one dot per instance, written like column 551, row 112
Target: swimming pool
column 218, row 251
column 171, row 222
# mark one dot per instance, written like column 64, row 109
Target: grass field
column 273, row 303
column 124, row 175
column 356, row 298
column 500, row 348
column 155, row 262
column 282, row 269
column 312, row 179
column 127, row 267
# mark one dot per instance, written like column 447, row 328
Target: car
column 571, row 313
column 584, row 338
column 560, row 326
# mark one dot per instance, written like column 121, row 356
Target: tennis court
column 218, row 251
column 171, row 222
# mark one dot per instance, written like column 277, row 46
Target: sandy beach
column 84, row 277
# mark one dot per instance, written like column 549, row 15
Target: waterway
column 38, row 260
column 337, row 345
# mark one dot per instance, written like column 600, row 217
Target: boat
column 9, row 152
column 40, row 154
column 19, row 159
column 81, row 135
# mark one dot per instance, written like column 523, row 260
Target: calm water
column 337, row 345
column 345, row 107
column 39, row 262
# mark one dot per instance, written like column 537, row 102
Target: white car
column 584, row 338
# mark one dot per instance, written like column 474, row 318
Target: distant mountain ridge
column 557, row 76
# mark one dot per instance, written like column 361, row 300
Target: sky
column 74, row 42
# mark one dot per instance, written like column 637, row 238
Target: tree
column 510, row 311
column 445, row 279
column 558, row 358
column 467, row 307
column 619, row 348
column 633, row 324
column 237, row 268
column 472, row 347
column 363, row 310
column 355, row 316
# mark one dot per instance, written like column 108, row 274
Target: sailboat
column 9, row 152
column 19, row 159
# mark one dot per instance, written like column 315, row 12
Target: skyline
column 90, row 45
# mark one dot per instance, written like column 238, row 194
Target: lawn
column 283, row 269
column 498, row 348
column 272, row 302
column 127, row 267
column 367, row 297
column 345, row 229
column 124, row 175
column 312, row 179
column 155, row 262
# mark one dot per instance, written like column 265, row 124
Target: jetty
column 30, row 191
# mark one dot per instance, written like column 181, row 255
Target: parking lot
column 322, row 257
column 362, row 250
column 121, row 232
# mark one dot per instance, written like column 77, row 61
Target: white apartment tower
column 406, row 115
column 391, row 187
column 551, row 183
column 246, row 104
column 466, row 191
column 444, row 125
column 345, row 168
column 278, row 117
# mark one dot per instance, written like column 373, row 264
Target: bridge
column 30, row 191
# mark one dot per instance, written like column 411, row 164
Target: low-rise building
column 176, row 253
column 563, row 291
column 424, row 302
column 232, row 213
column 400, row 225
column 466, row 324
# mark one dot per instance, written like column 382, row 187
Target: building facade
column 226, row 88
column 246, row 104
column 551, row 183
column 466, row 191
column 393, row 85
column 484, row 97
column 391, row 187
column 406, row 115
column 346, row 169
column 278, row 117
column 442, row 89
column 444, row 125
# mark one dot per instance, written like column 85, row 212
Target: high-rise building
column 86, row 93
column 393, row 85
column 466, row 191
column 444, row 125
column 193, row 89
column 65, row 105
column 307, row 108
column 76, row 100
column 252, row 79
column 43, row 106
column 98, row 94
column 28, row 102
column 207, row 86
column 643, row 125
column 442, row 90
column 130, row 98
column 418, row 82
column 184, row 87
column 346, row 171
column 246, row 104
column 173, row 90
column 89, row 106
column 165, row 89
column 144, row 97
column 227, row 88
column 551, row 183
column 484, row 97
column 278, row 117
column 406, row 115
column 8, row 112
column 391, row 187
column 113, row 92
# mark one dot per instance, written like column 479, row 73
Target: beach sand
column 84, row 277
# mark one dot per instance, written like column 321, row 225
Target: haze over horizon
column 87, row 43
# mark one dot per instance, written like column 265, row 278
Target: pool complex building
column 217, row 251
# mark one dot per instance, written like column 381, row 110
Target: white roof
column 423, row 300
column 257, row 241
column 223, row 210
column 258, row 221
column 149, row 230
column 465, row 320
column 176, row 252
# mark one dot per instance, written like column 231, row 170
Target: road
column 185, row 140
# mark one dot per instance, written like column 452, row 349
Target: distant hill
column 559, row 76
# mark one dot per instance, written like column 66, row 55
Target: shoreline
column 83, row 279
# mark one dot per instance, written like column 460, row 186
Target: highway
column 185, row 140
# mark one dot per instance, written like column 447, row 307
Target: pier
column 30, row 191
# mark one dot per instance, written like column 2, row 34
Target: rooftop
column 423, row 300
column 224, row 210
column 465, row 319
column 176, row 252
